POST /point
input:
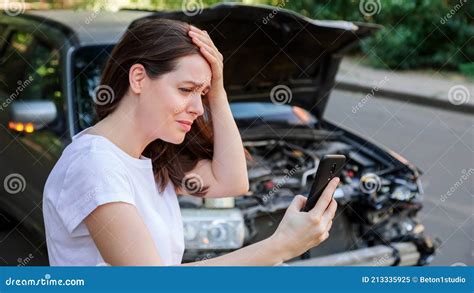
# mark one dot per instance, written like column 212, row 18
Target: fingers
column 203, row 41
column 298, row 203
column 329, row 226
column 329, row 214
column 327, row 221
column 207, row 47
column 209, row 51
column 216, row 69
column 201, row 34
column 325, row 198
column 202, row 38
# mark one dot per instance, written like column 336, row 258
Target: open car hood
column 266, row 46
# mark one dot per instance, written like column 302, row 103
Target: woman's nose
column 195, row 106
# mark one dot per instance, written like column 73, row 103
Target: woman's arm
column 123, row 238
column 228, row 164
column 226, row 174
column 263, row 253
column 121, row 235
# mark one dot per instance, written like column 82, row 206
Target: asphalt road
column 441, row 144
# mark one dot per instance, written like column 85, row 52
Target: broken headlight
column 213, row 228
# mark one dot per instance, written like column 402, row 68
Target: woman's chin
column 178, row 139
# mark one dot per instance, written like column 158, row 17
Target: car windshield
column 90, row 61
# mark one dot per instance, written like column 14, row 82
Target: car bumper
column 395, row 254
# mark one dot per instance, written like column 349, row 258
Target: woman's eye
column 185, row 90
column 191, row 90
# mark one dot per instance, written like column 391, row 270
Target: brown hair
column 157, row 44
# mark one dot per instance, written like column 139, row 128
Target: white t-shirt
column 93, row 171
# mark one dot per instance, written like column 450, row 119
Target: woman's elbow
column 242, row 187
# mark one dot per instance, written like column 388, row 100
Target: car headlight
column 213, row 228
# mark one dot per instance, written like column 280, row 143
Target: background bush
column 416, row 34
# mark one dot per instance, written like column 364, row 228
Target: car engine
column 378, row 199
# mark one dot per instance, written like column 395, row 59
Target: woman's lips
column 185, row 125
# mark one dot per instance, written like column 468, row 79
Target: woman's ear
column 136, row 76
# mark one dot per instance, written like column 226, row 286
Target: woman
column 111, row 197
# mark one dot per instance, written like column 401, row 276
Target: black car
column 279, row 70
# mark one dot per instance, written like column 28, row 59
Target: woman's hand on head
column 214, row 57
column 300, row 231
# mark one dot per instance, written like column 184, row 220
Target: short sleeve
column 92, row 180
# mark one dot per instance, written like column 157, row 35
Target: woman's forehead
column 194, row 68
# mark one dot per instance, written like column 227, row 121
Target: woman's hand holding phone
column 300, row 231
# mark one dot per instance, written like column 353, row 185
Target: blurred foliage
column 416, row 34
column 435, row 34
column 467, row 69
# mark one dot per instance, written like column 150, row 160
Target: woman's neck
column 121, row 128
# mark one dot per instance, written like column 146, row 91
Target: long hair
column 157, row 44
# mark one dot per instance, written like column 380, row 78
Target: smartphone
column 329, row 167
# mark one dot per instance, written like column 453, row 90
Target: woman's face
column 174, row 100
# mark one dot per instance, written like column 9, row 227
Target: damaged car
column 279, row 71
